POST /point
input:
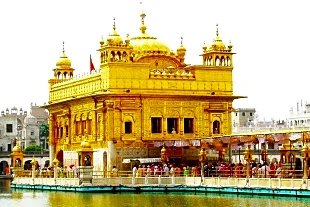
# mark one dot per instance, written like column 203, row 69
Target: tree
column 32, row 148
column 44, row 130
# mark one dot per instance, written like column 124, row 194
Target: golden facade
column 142, row 93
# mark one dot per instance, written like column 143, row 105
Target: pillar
column 111, row 155
column 51, row 137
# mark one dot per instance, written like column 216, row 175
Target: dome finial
column 142, row 15
column 114, row 27
column 217, row 30
column 181, row 41
column 63, row 46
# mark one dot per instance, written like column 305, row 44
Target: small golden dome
column 55, row 161
column 217, row 42
column 230, row 46
column 17, row 148
column 147, row 44
column 181, row 50
column 163, row 150
column 64, row 61
column 204, row 47
column 114, row 38
column 101, row 41
column 85, row 144
column 33, row 161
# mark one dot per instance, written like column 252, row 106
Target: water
column 14, row 197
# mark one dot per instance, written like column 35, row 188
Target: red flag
column 92, row 67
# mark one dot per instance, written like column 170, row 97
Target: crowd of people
column 271, row 169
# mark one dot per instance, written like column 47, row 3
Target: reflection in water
column 15, row 197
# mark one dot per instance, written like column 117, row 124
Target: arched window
column 228, row 61
column 217, row 61
column 216, row 127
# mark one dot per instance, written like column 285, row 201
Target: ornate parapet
column 171, row 73
column 73, row 88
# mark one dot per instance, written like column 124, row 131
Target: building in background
column 300, row 117
column 11, row 125
column 243, row 117
column 19, row 126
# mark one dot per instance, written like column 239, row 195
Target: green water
column 11, row 197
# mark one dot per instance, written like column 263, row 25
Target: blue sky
column 271, row 39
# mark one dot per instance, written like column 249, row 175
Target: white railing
column 269, row 183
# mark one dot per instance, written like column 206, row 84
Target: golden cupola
column 204, row 47
column 218, row 44
column 230, row 46
column 63, row 68
column 114, row 38
column 64, row 62
column 145, row 44
column 181, row 51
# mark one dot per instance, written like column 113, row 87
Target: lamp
column 202, row 159
column 55, row 162
column 164, row 155
column 248, row 158
column 305, row 155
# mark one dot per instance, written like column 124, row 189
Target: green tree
column 44, row 130
column 32, row 148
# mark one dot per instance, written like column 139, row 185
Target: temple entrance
column 3, row 167
column 60, row 157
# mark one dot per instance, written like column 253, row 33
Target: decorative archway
column 60, row 157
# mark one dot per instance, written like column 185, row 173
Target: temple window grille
column 156, row 124
column 128, row 127
column 188, row 125
column 172, row 125
column 216, row 127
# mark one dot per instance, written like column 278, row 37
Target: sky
column 270, row 38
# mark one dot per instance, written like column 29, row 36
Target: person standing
column 114, row 171
column 134, row 171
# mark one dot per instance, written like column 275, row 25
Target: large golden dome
column 64, row 61
column 146, row 43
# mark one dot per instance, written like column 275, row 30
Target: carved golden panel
column 188, row 112
column 173, row 112
column 158, row 112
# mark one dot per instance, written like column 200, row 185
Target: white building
column 300, row 117
column 17, row 125
column 11, row 123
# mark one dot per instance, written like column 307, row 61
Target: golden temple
column 143, row 93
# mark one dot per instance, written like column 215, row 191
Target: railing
column 218, row 182
column 26, row 153
column 234, row 173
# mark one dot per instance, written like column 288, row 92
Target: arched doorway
column 3, row 167
column 60, row 157
column 27, row 165
column 216, row 127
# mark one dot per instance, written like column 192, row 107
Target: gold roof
column 85, row 144
column 181, row 50
column 146, row 43
column 114, row 38
column 218, row 44
column 64, row 62
column 17, row 148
